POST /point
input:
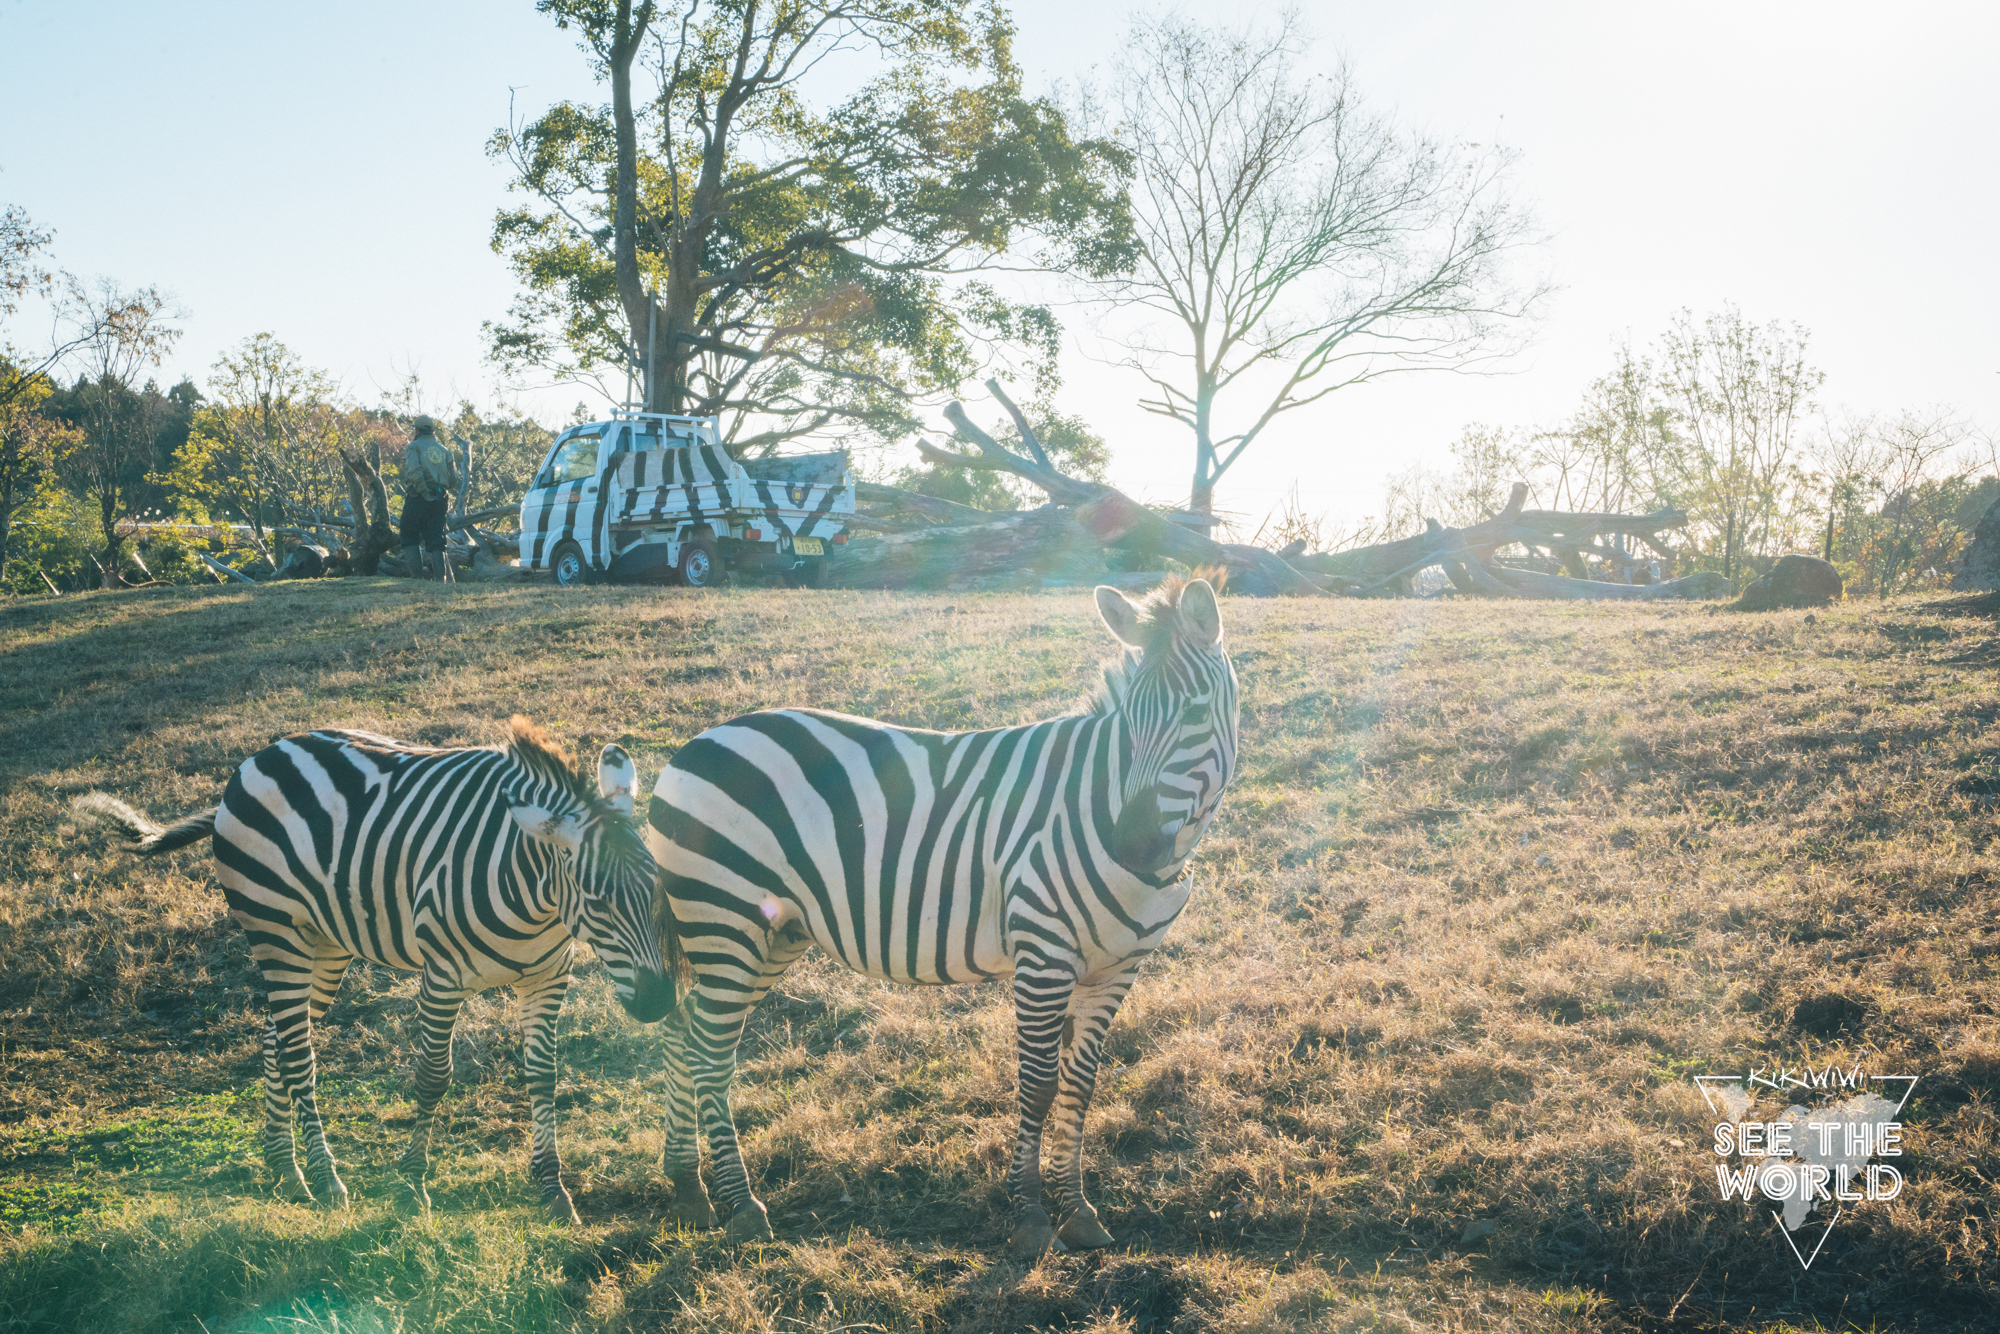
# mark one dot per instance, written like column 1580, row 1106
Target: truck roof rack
column 631, row 414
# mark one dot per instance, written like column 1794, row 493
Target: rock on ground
column 1981, row 571
column 304, row 561
column 1795, row 581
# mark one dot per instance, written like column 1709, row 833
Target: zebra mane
column 1157, row 618
column 544, row 758
column 1114, row 683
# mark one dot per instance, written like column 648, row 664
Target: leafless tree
column 1295, row 242
column 127, row 331
column 1918, row 464
column 1740, row 395
column 24, row 372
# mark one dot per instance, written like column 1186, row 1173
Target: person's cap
column 423, row 422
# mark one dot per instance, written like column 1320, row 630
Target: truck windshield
column 575, row 461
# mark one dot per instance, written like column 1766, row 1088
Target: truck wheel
column 699, row 566
column 570, row 569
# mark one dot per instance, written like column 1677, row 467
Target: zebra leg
column 1041, row 997
column 328, row 972
column 439, row 999
column 1091, row 1008
column 682, row 1159
column 281, row 1155
column 723, row 999
column 541, row 1002
column 291, row 969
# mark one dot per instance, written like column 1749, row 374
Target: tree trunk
column 107, row 507
column 1201, row 496
column 626, row 35
column 6, row 524
column 372, row 534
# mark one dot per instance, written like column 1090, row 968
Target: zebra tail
column 679, row 967
column 148, row 839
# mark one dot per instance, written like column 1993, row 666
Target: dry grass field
column 1493, row 884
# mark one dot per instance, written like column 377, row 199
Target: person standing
column 429, row 481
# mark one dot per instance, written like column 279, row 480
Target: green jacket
column 427, row 469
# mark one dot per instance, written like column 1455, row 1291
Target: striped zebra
column 476, row 867
column 1053, row 853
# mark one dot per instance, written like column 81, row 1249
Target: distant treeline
column 1720, row 418
column 133, row 480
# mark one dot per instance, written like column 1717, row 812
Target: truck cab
column 655, row 498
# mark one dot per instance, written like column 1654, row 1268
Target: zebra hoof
column 750, row 1222
column 333, row 1194
column 560, row 1208
column 1032, row 1236
column 412, row 1196
column 1082, row 1232
column 291, row 1187
column 691, row 1207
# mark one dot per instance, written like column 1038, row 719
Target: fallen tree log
column 1049, row 540
column 935, row 508
column 875, row 523
column 224, row 570
column 1569, row 536
column 1500, row 581
column 1111, row 516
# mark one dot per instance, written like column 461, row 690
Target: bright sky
column 318, row 171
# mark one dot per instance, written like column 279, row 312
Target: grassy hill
column 1493, row 885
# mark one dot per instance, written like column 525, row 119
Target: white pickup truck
column 652, row 498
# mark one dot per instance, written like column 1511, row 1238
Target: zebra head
column 602, row 874
column 1174, row 691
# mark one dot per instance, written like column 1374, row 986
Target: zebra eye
column 1195, row 714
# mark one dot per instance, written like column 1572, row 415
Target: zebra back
column 486, row 860
column 924, row 856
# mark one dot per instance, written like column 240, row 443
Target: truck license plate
column 807, row 546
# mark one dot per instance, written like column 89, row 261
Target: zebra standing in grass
column 477, row 868
column 1052, row 852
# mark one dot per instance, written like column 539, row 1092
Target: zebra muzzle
column 1138, row 841
column 652, row 996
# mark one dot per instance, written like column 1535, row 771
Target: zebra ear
column 565, row 831
column 1201, row 616
column 617, row 779
column 1121, row 618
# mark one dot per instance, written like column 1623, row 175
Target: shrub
column 55, row 535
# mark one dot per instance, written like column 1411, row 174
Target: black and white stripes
column 477, row 868
column 1052, row 853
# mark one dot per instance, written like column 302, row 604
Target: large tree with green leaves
column 794, row 267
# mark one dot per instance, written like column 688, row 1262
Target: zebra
column 476, row 867
column 1052, row 852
